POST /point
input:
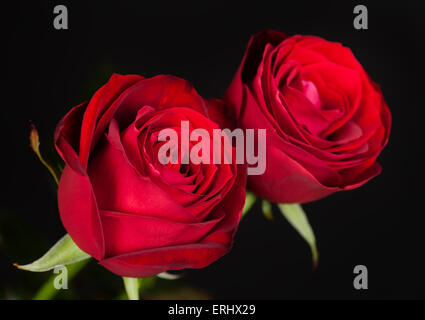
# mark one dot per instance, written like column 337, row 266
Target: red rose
column 326, row 120
column 117, row 201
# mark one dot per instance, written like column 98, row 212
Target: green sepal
column 249, row 202
column 64, row 252
column 296, row 216
column 267, row 209
column 169, row 276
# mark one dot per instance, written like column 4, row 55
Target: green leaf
column 132, row 286
column 249, row 202
column 64, row 252
column 267, row 209
column 296, row 216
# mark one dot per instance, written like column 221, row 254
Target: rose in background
column 119, row 204
column 326, row 120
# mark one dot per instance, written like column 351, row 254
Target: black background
column 47, row 71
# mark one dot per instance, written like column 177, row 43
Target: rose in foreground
column 326, row 120
column 117, row 201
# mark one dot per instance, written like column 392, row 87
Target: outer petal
column 160, row 92
column 151, row 262
column 220, row 113
column 286, row 181
column 250, row 61
column 98, row 105
column 79, row 214
column 126, row 233
column 76, row 200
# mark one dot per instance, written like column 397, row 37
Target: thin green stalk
column 48, row 291
column 132, row 286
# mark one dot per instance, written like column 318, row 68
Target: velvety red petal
column 76, row 201
column 99, row 104
column 150, row 262
column 286, row 181
column 119, row 186
column 125, row 233
column 79, row 212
